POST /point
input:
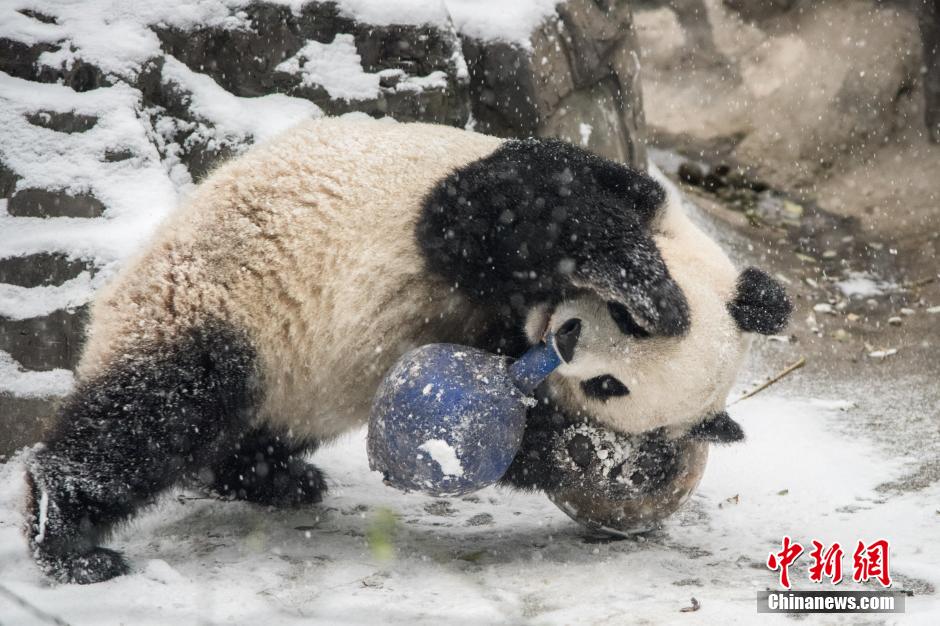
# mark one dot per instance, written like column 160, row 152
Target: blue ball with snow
column 448, row 420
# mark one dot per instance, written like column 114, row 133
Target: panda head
column 622, row 373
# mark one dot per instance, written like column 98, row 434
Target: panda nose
column 566, row 338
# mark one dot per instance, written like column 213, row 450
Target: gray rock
column 692, row 16
column 199, row 151
column 23, row 420
column 42, row 269
column 241, row 60
column 583, row 69
column 63, row 122
column 78, row 74
column 928, row 18
column 113, row 155
column 47, row 203
column 591, row 113
column 39, row 16
column 244, row 60
column 756, row 11
column 19, row 59
column 44, row 343
column 815, row 105
column 8, row 180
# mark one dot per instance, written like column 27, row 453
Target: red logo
column 828, row 563
column 869, row 562
column 783, row 559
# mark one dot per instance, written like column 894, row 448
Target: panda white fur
column 260, row 318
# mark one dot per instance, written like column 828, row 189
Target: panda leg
column 125, row 436
column 268, row 468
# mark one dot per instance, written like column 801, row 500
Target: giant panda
column 258, row 321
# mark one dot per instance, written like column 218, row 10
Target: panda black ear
column 719, row 428
column 760, row 303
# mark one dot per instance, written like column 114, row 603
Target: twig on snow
column 789, row 369
column 920, row 283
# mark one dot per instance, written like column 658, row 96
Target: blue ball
column 448, row 419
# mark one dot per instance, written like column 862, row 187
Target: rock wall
column 107, row 121
column 579, row 81
column 928, row 13
column 792, row 87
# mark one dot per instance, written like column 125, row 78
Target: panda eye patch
column 604, row 387
column 625, row 321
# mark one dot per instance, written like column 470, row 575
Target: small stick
column 789, row 369
column 922, row 282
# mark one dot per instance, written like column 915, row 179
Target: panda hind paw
column 95, row 566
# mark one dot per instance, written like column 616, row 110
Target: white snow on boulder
column 498, row 20
column 26, row 384
column 489, row 20
column 74, row 162
column 387, row 12
column 114, row 35
column 335, row 66
column 434, row 80
column 18, row 303
column 863, row 285
column 137, row 191
column 236, row 118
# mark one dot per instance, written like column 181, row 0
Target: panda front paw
column 95, row 566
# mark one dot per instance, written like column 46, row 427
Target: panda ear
column 719, row 428
column 760, row 303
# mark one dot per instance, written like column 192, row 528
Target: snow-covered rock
column 110, row 110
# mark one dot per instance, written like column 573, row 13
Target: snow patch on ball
column 444, row 455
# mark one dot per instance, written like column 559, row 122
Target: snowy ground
column 506, row 557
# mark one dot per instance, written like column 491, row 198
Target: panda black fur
column 261, row 317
